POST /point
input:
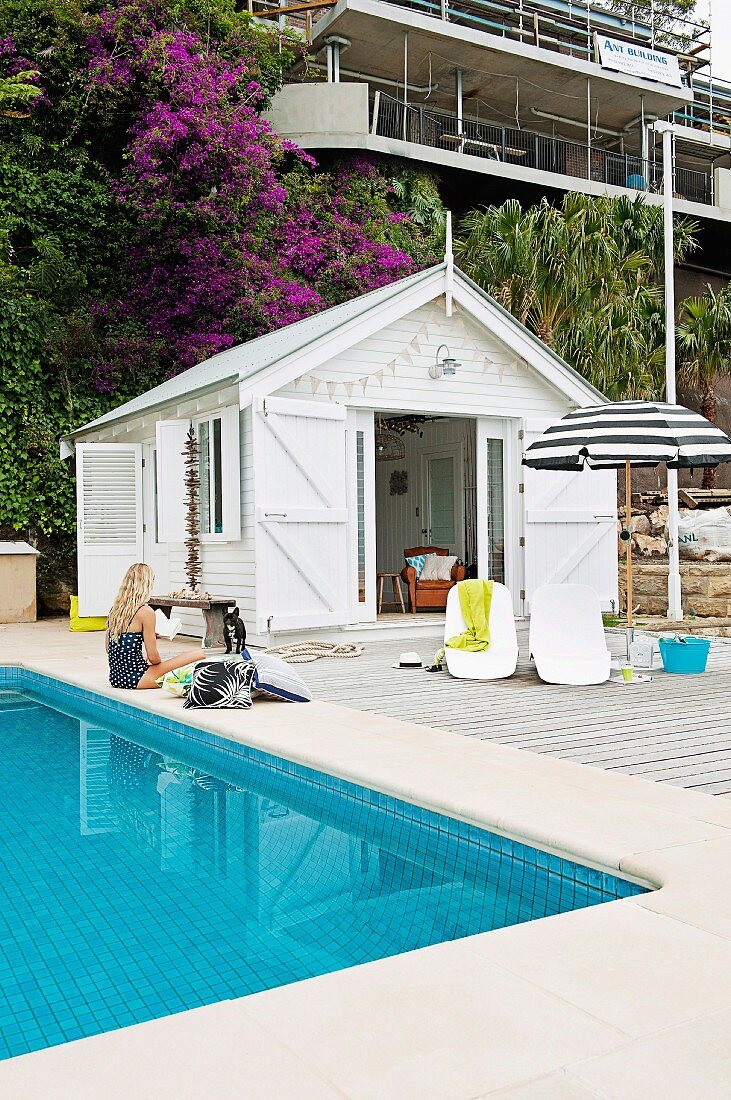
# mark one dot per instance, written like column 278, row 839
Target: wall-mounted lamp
column 444, row 366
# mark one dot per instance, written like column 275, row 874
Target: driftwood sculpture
column 192, row 519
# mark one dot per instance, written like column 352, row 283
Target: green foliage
column 704, row 350
column 584, row 278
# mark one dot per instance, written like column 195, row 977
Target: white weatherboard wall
column 228, row 567
column 491, row 379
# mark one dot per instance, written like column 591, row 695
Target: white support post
column 449, row 262
column 336, row 62
column 588, row 126
column 675, row 611
column 458, row 94
column 406, row 84
column 329, row 57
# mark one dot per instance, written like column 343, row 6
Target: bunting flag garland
column 419, row 352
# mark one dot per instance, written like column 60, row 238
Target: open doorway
column 426, row 495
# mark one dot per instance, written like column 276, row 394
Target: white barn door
column 570, row 527
column 301, row 509
column 109, row 519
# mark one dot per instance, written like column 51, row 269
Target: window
column 496, row 510
column 210, row 466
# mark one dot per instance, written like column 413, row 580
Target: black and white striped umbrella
column 643, row 433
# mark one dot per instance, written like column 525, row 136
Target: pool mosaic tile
column 147, row 867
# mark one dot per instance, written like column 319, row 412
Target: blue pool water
column 147, row 867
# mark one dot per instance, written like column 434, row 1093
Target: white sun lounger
column 500, row 658
column 567, row 639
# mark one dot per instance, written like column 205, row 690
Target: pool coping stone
column 474, row 1017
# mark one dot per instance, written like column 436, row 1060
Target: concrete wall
column 301, row 109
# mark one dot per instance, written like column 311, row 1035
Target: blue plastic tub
column 687, row 655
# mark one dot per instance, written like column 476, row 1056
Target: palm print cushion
column 219, row 685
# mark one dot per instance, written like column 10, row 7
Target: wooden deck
column 676, row 729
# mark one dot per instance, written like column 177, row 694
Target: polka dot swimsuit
column 127, row 664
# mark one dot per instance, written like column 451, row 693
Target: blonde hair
column 134, row 592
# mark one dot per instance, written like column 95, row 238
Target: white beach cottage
column 301, row 432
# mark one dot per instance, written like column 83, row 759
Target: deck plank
column 675, row 730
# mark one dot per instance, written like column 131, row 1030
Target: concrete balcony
column 348, row 116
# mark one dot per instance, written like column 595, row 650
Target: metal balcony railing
column 528, row 149
column 562, row 26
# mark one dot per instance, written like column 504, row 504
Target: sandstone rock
column 640, row 525
column 658, row 520
column 711, row 607
column 649, row 546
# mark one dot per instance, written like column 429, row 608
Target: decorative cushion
column 438, row 567
column 275, row 678
column 418, row 563
column 221, row 684
column 178, row 681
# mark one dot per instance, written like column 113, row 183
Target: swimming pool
column 148, row 867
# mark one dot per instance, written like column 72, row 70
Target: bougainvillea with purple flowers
column 236, row 233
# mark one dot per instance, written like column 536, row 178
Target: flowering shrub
column 236, row 233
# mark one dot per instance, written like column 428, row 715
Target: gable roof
column 246, row 360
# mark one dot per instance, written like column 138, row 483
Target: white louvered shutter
column 109, row 517
column 171, row 511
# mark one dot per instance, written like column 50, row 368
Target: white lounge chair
column 567, row 639
column 500, row 658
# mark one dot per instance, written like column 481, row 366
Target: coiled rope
column 301, row 653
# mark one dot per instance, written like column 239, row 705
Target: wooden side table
column 213, row 610
column 395, row 585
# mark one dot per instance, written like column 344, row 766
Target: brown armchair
column 432, row 594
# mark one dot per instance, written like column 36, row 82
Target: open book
column 166, row 628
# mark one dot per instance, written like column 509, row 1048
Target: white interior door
column 442, row 504
column 109, row 520
column 570, row 527
column 303, row 559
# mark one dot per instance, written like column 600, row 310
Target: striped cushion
column 221, row 684
column 418, row 563
column 275, row 678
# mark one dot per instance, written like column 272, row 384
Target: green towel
column 475, row 598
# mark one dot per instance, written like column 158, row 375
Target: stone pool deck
column 629, row 1000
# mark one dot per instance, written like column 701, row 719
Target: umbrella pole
column 628, row 524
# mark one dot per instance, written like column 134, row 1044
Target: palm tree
column 582, row 276
column 499, row 250
column 704, row 346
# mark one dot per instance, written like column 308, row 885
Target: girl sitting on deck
column 131, row 622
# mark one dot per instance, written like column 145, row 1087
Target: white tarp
column 705, row 535
column 639, row 61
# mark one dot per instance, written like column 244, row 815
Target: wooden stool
column 396, row 586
